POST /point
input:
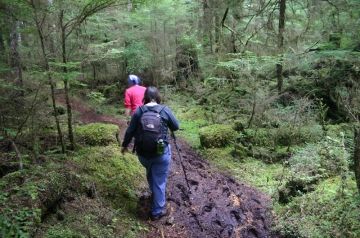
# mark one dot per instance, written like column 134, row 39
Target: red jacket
column 134, row 97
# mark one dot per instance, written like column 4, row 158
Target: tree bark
column 217, row 32
column 15, row 60
column 50, row 80
column 279, row 66
column 2, row 45
column 207, row 24
column 66, row 81
column 357, row 157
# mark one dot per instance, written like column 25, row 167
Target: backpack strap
column 156, row 108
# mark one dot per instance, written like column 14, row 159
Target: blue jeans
column 157, row 170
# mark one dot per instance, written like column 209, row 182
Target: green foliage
column 269, row 155
column 216, row 135
column 20, row 212
column 283, row 136
column 326, row 212
column 254, row 172
column 97, row 97
column 137, row 56
column 118, row 176
column 18, row 223
column 97, row 134
column 313, row 162
column 191, row 117
column 62, row 232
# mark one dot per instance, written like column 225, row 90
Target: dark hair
column 151, row 94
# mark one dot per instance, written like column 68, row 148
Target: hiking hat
column 133, row 79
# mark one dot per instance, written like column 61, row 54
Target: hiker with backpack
column 133, row 95
column 149, row 125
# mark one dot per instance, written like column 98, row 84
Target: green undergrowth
column 25, row 195
column 249, row 170
column 332, row 210
column 97, row 134
column 191, row 117
column 91, row 192
column 119, row 176
column 108, row 208
column 306, row 169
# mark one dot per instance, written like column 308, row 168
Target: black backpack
column 150, row 130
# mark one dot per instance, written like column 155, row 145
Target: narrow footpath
column 202, row 202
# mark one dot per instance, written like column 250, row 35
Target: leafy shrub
column 97, row 134
column 260, row 136
column 329, row 211
column 216, row 135
column 60, row 110
column 283, row 136
column 324, row 159
column 97, row 97
column 239, row 125
column 294, row 136
column 269, row 155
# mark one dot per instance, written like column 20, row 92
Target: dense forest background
column 267, row 90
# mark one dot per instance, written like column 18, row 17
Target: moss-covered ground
column 91, row 192
column 328, row 204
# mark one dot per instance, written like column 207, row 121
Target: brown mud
column 201, row 201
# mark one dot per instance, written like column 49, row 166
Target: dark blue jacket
column 168, row 119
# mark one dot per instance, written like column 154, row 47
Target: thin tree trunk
column 66, row 82
column 207, row 24
column 233, row 37
column 15, row 60
column 94, row 75
column 357, row 157
column 217, row 31
column 50, row 80
column 279, row 66
column 164, row 43
column 2, row 45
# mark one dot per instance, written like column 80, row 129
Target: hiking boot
column 158, row 216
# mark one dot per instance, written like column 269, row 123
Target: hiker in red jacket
column 133, row 95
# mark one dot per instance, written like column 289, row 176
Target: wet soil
column 201, row 201
column 207, row 203
column 87, row 114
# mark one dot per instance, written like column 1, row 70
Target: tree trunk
column 207, row 24
column 50, row 80
column 357, row 156
column 233, row 37
column 94, row 83
column 2, row 45
column 15, row 60
column 217, row 31
column 66, row 82
column 279, row 66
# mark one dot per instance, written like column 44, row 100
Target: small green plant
column 97, row 97
column 63, row 232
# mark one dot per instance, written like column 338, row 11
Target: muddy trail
column 201, row 201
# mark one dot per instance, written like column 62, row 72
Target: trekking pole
column 181, row 161
column 187, row 181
